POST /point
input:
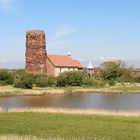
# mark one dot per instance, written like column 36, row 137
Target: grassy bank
column 69, row 126
column 11, row 91
column 128, row 89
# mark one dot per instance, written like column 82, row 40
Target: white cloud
column 102, row 58
column 59, row 43
column 7, row 5
column 12, row 64
column 110, row 58
column 64, row 31
column 60, row 37
column 18, row 41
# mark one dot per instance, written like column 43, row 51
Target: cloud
column 12, row 64
column 7, row 5
column 64, row 31
column 59, row 42
column 18, row 41
column 110, row 58
column 61, row 38
column 102, row 58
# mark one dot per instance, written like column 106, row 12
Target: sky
column 96, row 30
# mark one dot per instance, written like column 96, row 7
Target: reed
column 74, row 111
column 11, row 91
column 16, row 137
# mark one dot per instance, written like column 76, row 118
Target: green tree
column 113, row 70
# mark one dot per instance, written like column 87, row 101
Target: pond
column 115, row 102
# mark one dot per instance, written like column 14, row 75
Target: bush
column 6, row 77
column 3, row 83
column 137, row 79
column 111, row 82
column 125, row 79
column 52, row 81
column 30, row 76
column 92, row 82
column 23, row 81
column 70, row 78
column 42, row 81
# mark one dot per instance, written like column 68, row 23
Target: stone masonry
column 36, row 52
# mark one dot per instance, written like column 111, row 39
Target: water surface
column 116, row 102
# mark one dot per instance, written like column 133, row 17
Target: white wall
column 60, row 70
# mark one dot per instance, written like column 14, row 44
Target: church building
column 38, row 61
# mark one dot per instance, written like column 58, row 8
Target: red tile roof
column 64, row 61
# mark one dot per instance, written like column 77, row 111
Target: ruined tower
column 36, row 52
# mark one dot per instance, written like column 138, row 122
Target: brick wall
column 50, row 68
column 36, row 52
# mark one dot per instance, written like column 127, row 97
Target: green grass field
column 70, row 126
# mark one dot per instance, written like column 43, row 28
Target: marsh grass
column 11, row 91
column 74, row 111
column 17, row 137
column 63, row 126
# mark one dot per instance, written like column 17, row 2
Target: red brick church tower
column 36, row 52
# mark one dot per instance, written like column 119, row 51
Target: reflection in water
column 117, row 102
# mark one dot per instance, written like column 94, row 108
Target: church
column 38, row 61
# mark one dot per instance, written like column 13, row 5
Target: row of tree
column 111, row 72
column 116, row 70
